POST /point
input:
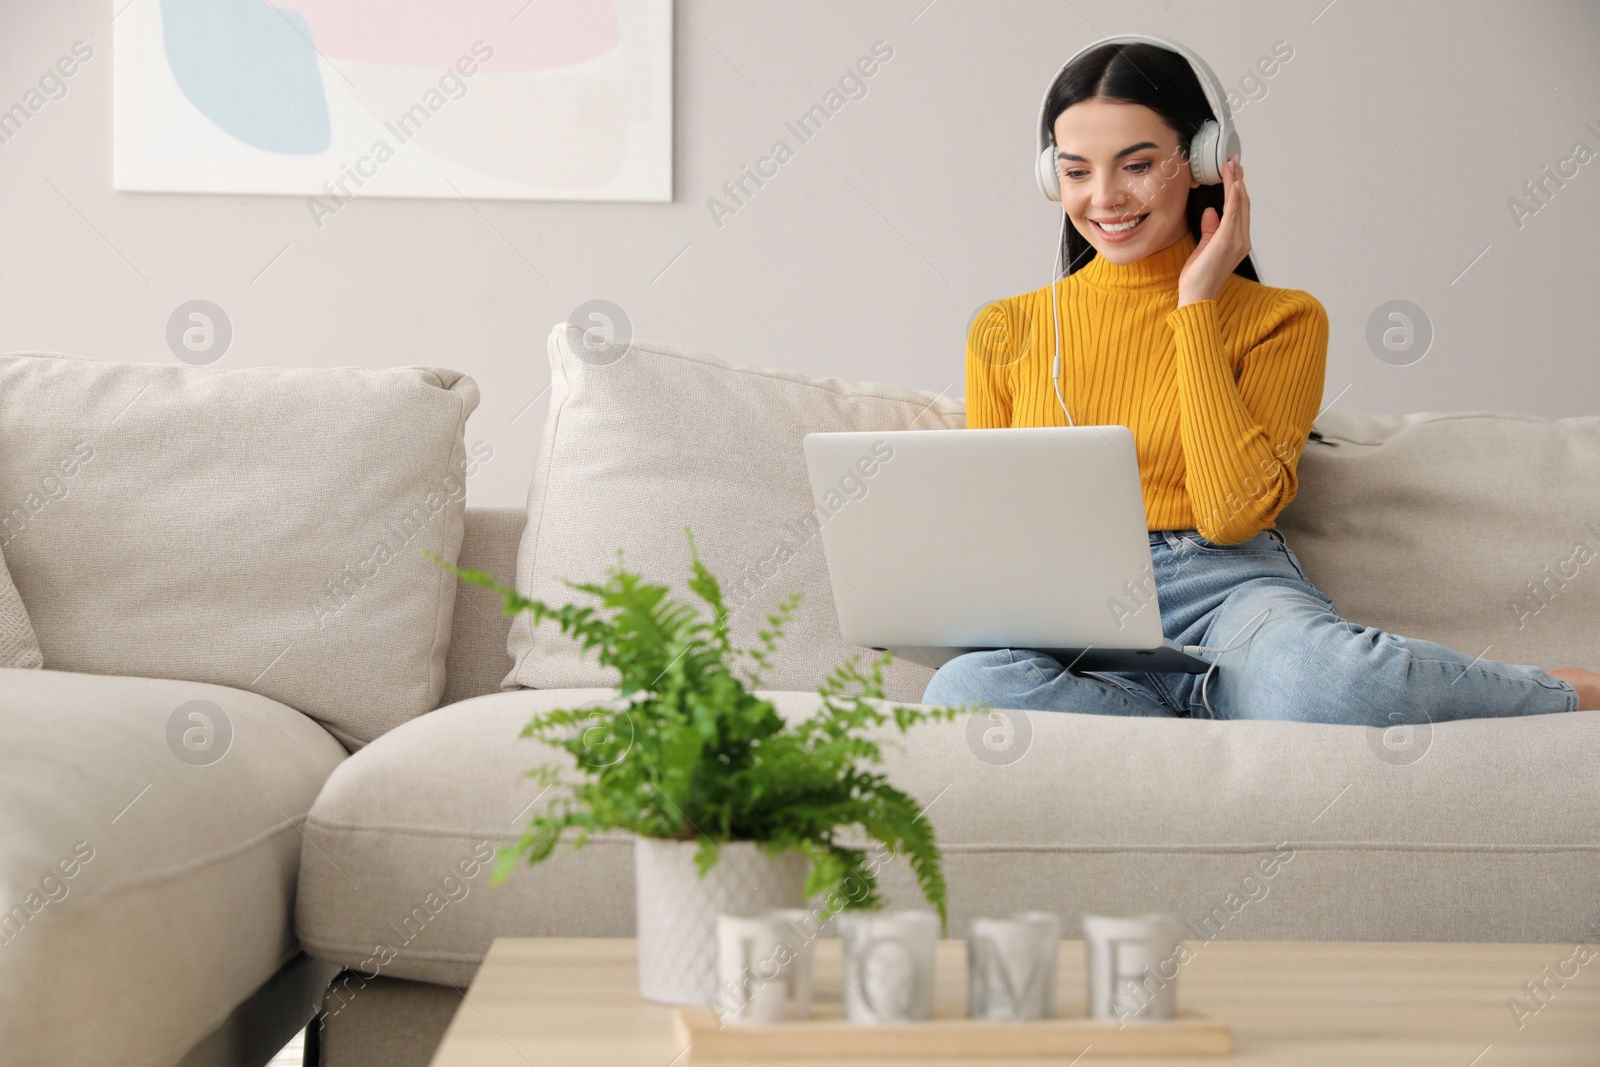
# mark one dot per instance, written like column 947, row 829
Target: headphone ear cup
column 1203, row 163
column 1048, row 177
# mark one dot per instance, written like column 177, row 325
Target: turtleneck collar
column 1157, row 271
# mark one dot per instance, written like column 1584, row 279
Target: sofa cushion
column 19, row 645
column 643, row 441
column 260, row 528
column 1469, row 830
column 147, row 859
column 1479, row 533
column 416, row 823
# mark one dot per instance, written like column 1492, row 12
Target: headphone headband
column 1212, row 145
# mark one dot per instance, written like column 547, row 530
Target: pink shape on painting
column 526, row 36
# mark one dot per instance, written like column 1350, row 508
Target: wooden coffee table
column 575, row 1002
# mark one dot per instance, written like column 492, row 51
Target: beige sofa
column 364, row 862
column 1457, row 528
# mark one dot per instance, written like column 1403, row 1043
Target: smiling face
column 1121, row 163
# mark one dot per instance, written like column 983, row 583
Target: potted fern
column 732, row 807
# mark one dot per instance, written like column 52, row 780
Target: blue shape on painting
column 250, row 68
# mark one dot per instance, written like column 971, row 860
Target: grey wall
column 1382, row 158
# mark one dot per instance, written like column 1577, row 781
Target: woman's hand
column 1223, row 242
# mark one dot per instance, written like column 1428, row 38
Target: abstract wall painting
column 328, row 99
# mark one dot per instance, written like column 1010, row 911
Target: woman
column 1164, row 328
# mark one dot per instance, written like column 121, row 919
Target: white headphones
column 1211, row 147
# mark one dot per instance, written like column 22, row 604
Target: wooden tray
column 949, row 1034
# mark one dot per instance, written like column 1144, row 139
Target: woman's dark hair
column 1164, row 82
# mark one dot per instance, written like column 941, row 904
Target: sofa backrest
column 1481, row 534
column 478, row 659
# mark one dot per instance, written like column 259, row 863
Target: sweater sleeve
column 993, row 352
column 1242, row 437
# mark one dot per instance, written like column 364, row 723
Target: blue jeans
column 1293, row 657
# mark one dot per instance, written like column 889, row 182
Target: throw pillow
column 1477, row 532
column 261, row 527
column 645, row 439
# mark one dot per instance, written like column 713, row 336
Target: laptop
column 941, row 542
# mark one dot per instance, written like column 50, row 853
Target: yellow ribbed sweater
column 1220, row 394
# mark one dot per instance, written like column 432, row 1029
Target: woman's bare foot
column 1587, row 683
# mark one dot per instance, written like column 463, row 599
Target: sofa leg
column 312, row 1056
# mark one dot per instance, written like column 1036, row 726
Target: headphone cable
column 1055, row 322
column 1191, row 649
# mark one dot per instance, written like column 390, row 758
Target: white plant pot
column 678, row 909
